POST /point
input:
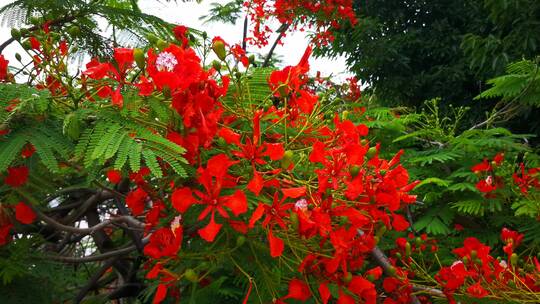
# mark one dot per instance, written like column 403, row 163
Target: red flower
column 24, row 214
column 399, row 223
column 114, row 176
column 28, row 150
column 274, row 216
column 482, row 167
column 124, row 57
column 364, row 289
column 477, row 291
column 165, row 242
column 136, row 201
column 181, row 34
column 213, row 178
column 17, row 176
column 34, row 43
column 512, row 240
column 486, row 185
column 3, row 67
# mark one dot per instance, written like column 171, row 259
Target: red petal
column 182, row 199
column 345, row 299
column 229, row 136
column 256, row 184
column 161, row 293
column 238, row 226
column 257, row 214
column 135, row 201
column 276, row 245
column 24, row 214
column 400, row 223
column 324, row 291
column 237, row 202
column 358, row 285
column 274, row 151
column 294, row 192
column 318, row 153
column 218, row 165
column 298, row 290
column 117, row 98
column 210, row 231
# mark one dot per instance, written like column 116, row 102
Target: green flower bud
column 240, row 240
column 191, row 275
column 219, row 48
column 216, row 65
column 354, row 170
column 138, row 55
column 74, row 31
column 371, row 152
column 347, row 278
column 286, row 161
column 15, row 33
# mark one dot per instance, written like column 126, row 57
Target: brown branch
column 281, row 31
column 97, row 257
column 90, row 230
column 93, row 280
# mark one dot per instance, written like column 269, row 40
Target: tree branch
column 281, row 31
column 97, row 257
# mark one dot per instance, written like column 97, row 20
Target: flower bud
column 216, row 65
column 219, row 48
column 344, row 115
column 407, row 249
column 138, row 56
column 15, row 33
column 347, row 278
column 18, row 57
column 286, row 161
column 161, row 44
column 354, row 170
column 514, row 259
column 371, row 152
column 240, row 240
column 74, row 31
column 191, row 275
column 152, row 39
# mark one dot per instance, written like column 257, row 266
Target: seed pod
column 251, row 59
column 191, row 275
column 138, row 55
column 418, row 241
column 219, row 48
column 344, row 115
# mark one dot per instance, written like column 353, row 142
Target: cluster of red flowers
column 322, row 15
column 16, row 177
column 353, row 189
column 479, row 273
column 525, row 179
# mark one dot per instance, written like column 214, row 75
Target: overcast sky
column 188, row 13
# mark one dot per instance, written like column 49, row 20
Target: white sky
column 188, row 13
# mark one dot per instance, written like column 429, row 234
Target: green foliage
column 521, row 83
